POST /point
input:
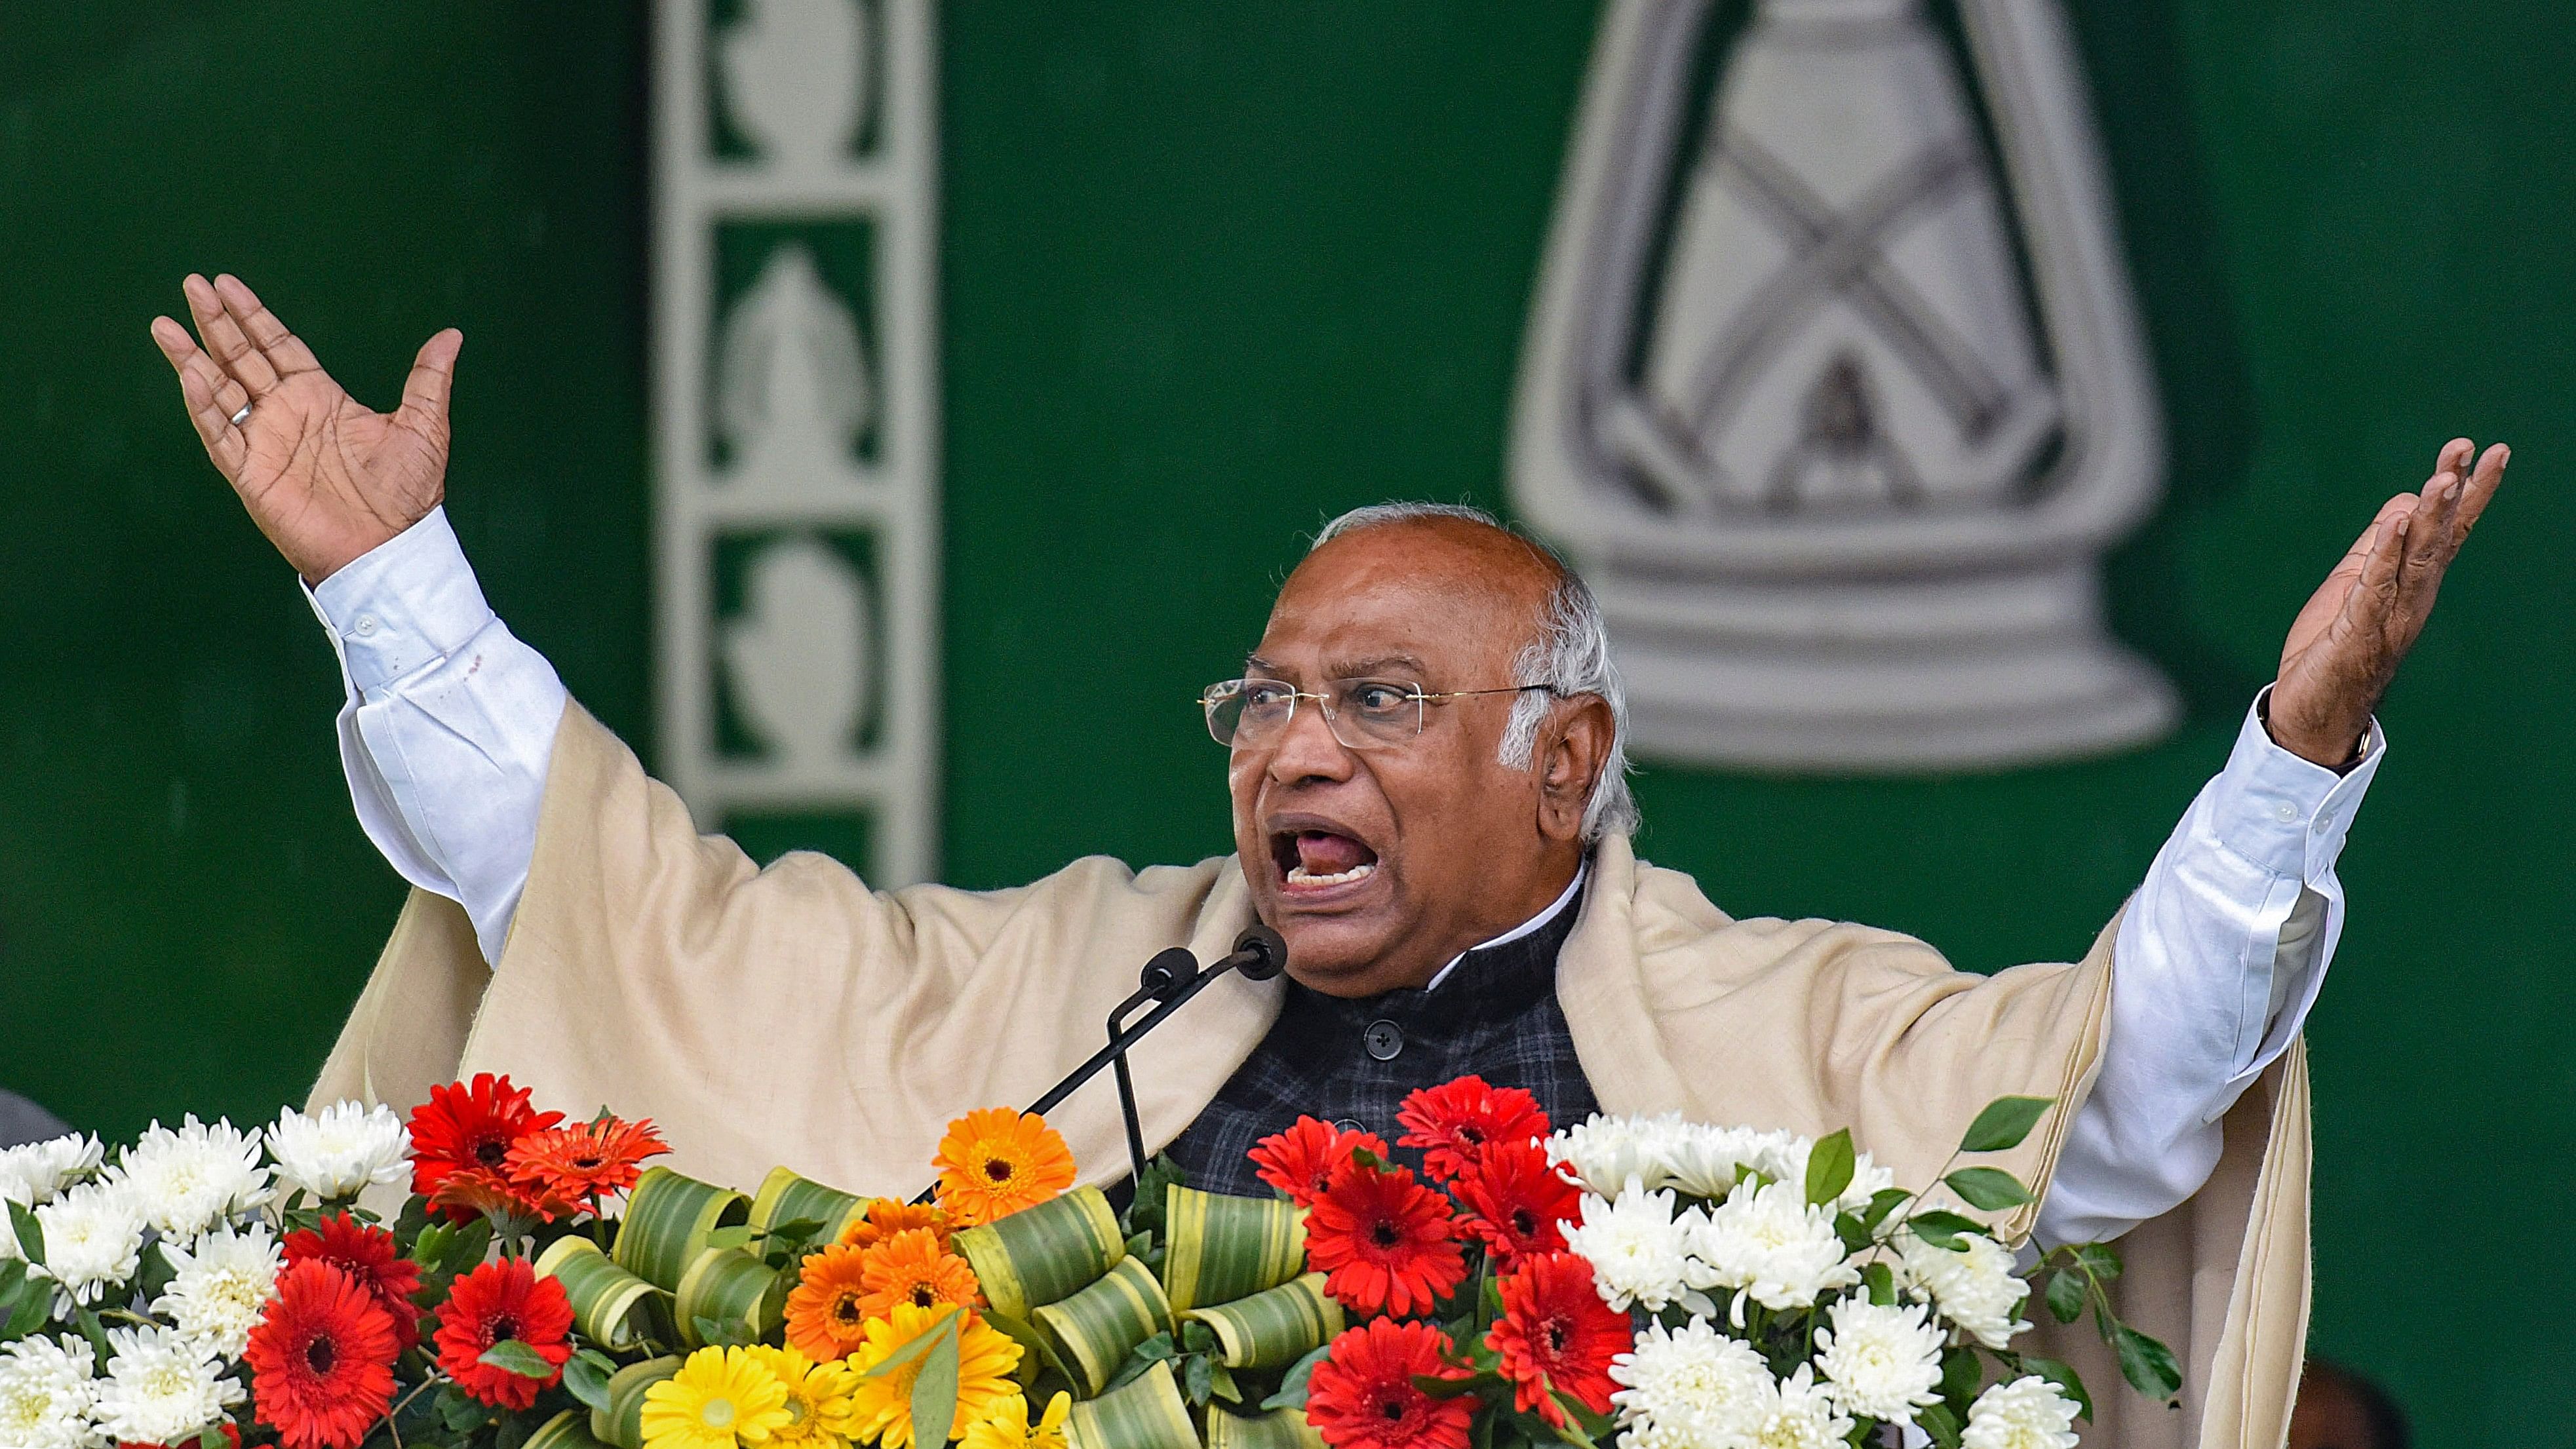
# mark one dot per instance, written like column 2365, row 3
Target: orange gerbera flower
column 825, row 1319
column 886, row 1217
column 995, row 1162
column 911, row 1267
column 584, row 1163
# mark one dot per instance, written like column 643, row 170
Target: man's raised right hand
column 324, row 476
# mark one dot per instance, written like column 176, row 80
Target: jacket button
column 1349, row 1124
column 1384, row 1040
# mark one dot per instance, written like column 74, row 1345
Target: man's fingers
column 2481, row 490
column 2374, row 593
column 224, row 337
column 433, row 375
column 284, row 350
column 2454, row 456
column 199, row 381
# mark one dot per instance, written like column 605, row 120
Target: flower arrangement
column 1645, row 1281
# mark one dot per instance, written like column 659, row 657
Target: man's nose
column 1307, row 749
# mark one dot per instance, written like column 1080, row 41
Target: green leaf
column 1937, row 1421
column 96, row 1333
column 152, row 1273
column 515, row 1429
column 1943, row 1229
column 1881, row 1281
column 1988, row 1189
column 1292, row 1387
column 1221, row 1383
column 1848, row 1228
column 1198, row 1379
column 1159, row 1346
column 1882, row 1202
column 1197, row 1337
column 738, row 1236
column 2004, row 1123
column 1829, row 1168
column 460, row 1414
column 915, row 1349
column 30, row 1235
column 934, row 1393
column 2101, row 1260
column 210, row 1437
column 1962, row 1374
column 2066, row 1295
column 1443, row 1386
column 585, row 1377
column 1145, row 1210
column 719, row 1334
column 2065, row 1377
column 510, row 1355
column 2147, row 1364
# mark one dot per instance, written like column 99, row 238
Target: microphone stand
column 1168, row 981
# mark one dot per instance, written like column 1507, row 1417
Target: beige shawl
column 791, row 1015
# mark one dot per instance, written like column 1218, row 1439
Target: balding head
column 1382, row 853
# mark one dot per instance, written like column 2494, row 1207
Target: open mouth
column 1317, row 859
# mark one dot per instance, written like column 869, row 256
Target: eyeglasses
column 1364, row 714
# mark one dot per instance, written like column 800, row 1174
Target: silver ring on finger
column 243, row 416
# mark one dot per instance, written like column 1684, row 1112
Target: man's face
column 1378, row 865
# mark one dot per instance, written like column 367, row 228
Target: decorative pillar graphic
column 796, row 428
column 1835, row 387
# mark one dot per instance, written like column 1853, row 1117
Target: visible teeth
column 1298, row 875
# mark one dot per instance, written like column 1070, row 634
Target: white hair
column 1570, row 655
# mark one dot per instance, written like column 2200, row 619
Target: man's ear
column 1572, row 747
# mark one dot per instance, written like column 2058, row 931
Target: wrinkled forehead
column 1405, row 602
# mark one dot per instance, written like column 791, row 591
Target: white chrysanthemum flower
column 1975, row 1289
column 341, row 1149
column 1782, row 1157
column 1604, row 1153
column 45, row 1394
column 161, row 1387
column 37, row 1172
column 1799, row 1414
column 93, row 1240
column 1705, row 1161
column 1770, row 1243
column 1688, row 1388
column 1884, row 1361
column 2028, row 1413
column 185, row 1181
column 1638, row 1252
column 218, row 1288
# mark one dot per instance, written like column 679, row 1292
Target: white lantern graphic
column 1836, row 403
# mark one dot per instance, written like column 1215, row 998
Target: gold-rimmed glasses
column 1364, row 714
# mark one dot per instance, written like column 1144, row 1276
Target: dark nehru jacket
column 1352, row 1061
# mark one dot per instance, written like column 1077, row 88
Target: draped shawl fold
column 791, row 1015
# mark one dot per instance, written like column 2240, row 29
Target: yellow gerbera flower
column 721, row 1398
column 819, row 1415
column 995, row 1162
column 1008, row 1426
column 882, row 1406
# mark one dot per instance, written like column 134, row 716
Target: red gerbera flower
column 1386, row 1243
column 1302, row 1161
column 370, row 1256
column 467, row 1125
column 501, row 1300
column 1515, row 1198
column 1362, row 1394
column 1556, row 1336
column 581, row 1164
column 1452, row 1123
column 321, row 1359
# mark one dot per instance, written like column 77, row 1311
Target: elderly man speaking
column 1425, row 758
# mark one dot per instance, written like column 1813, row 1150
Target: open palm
column 323, row 475
column 2346, row 644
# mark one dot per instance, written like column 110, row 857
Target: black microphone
column 1169, row 980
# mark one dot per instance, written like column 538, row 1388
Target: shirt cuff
column 402, row 605
column 2285, row 814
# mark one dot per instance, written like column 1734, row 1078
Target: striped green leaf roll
column 1275, row 1327
column 1041, row 1254
column 729, row 1285
column 785, row 1197
column 1278, row 1429
column 668, row 1218
column 610, row 1305
column 1093, row 1330
column 1146, row 1412
column 622, row 1422
column 1224, row 1247
column 567, row 1430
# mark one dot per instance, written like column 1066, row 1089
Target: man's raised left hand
column 2345, row 646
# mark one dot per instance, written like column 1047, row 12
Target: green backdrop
column 1209, row 274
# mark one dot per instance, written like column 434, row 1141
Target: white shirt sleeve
column 2217, row 963
column 449, row 725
